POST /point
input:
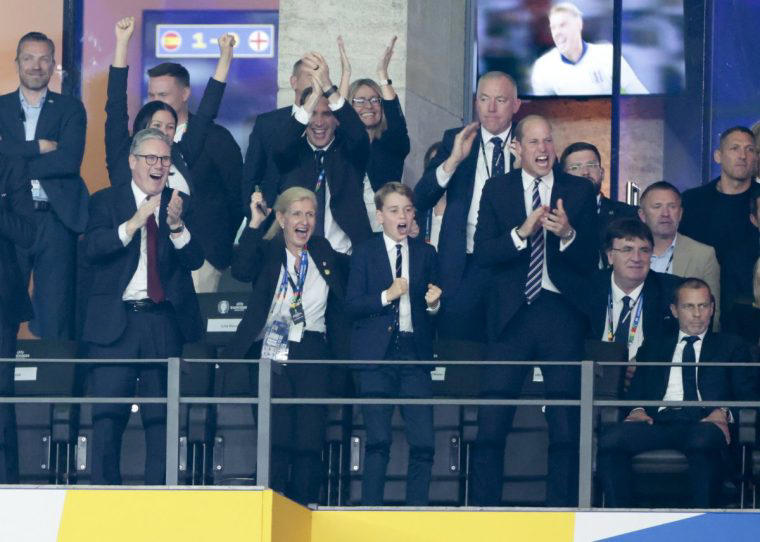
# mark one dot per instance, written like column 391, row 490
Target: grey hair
column 145, row 135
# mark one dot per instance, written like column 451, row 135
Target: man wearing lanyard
column 630, row 301
column 675, row 253
column 468, row 157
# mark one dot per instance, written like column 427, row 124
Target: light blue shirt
column 31, row 117
column 664, row 262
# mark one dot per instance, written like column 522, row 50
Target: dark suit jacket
column 113, row 266
column 714, row 382
column 64, row 121
column 502, row 208
column 259, row 262
column 388, row 152
column 17, row 229
column 452, row 242
column 658, row 293
column 207, row 156
column 260, row 168
column 610, row 210
column 370, row 275
column 345, row 161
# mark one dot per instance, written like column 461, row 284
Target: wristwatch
column 329, row 92
column 385, row 82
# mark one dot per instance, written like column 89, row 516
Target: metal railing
column 264, row 401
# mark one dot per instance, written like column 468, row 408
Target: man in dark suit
column 629, row 302
column 17, row 229
column 537, row 234
column 392, row 294
column 328, row 159
column 47, row 130
column 583, row 159
column 216, row 176
column 141, row 301
column 259, row 168
column 701, row 433
column 468, row 157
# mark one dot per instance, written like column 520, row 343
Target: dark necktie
column 536, row 267
column 155, row 290
column 689, row 374
column 497, row 158
column 397, row 302
column 319, row 190
column 623, row 325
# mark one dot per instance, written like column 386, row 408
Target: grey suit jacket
column 694, row 259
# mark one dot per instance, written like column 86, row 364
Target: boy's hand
column 399, row 287
column 432, row 296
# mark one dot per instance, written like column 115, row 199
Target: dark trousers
column 463, row 313
column 298, row 431
column 8, row 438
column 151, row 334
column 703, row 444
column 549, row 329
column 52, row 258
column 403, row 381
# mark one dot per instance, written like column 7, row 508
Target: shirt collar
column 390, row 244
column 487, row 136
column 527, row 180
column 681, row 335
column 314, row 148
column 26, row 104
column 139, row 195
column 669, row 250
column 583, row 53
column 618, row 294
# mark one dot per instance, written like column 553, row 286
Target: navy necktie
column 319, row 190
column 621, row 331
column 536, row 267
column 689, row 374
column 497, row 158
column 397, row 302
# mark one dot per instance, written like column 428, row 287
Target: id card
column 275, row 343
column 297, row 314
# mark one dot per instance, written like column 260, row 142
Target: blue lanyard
column 297, row 288
column 611, row 325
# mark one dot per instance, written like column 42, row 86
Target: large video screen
column 565, row 48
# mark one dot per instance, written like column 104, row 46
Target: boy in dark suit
column 392, row 295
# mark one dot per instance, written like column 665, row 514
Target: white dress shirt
column 176, row 180
column 674, row 391
column 545, row 193
column 617, row 308
column 137, row 288
column 313, row 297
column 405, row 306
column 481, row 176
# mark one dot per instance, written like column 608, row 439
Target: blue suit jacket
column 370, row 275
column 452, row 242
column 114, row 265
column 64, row 121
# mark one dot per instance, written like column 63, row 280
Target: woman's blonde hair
column 285, row 200
column 376, row 131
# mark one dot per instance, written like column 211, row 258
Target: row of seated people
column 511, row 264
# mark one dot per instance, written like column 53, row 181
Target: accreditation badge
column 275, row 343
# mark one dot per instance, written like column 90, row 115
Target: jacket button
column 390, row 329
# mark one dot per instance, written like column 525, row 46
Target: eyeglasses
column 575, row 168
column 627, row 251
column 151, row 159
column 360, row 102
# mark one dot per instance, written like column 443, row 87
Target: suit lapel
column 666, row 353
column 470, row 165
column 46, row 115
column 415, row 265
column 680, row 257
column 14, row 114
column 322, row 261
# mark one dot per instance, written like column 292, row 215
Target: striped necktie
column 536, row 267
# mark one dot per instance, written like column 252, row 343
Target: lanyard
column 297, row 288
column 639, row 303
column 485, row 158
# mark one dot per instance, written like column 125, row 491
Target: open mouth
column 156, row 176
column 402, row 228
column 319, row 132
column 302, row 232
column 542, row 160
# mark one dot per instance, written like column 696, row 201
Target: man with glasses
column 141, row 301
column 629, row 302
column 47, row 130
column 583, row 159
column 675, row 253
